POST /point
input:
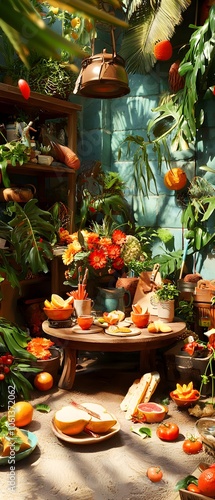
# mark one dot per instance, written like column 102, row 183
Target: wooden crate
column 188, row 495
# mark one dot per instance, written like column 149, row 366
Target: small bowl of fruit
column 185, row 395
column 140, row 317
column 58, row 309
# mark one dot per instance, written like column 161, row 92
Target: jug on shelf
column 111, row 299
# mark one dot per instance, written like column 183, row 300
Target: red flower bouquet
column 100, row 254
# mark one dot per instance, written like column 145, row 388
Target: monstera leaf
column 30, row 235
column 150, row 21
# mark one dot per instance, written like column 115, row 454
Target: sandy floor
column 108, row 470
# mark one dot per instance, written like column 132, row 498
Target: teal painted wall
column 103, row 126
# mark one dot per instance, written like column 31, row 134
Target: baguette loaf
column 139, row 392
column 138, row 395
column 131, row 391
column 152, row 387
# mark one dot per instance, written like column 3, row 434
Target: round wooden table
column 72, row 342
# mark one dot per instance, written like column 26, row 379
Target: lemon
column 57, row 301
column 48, row 304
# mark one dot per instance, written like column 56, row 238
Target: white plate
column 134, row 331
column 83, row 438
column 92, row 329
column 32, row 438
column 98, row 323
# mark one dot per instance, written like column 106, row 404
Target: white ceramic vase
column 166, row 310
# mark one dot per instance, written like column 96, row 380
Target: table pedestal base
column 69, row 367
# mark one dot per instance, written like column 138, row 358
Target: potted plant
column 15, row 362
column 166, row 295
column 47, row 356
column 30, row 234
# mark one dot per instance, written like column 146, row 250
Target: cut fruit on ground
column 151, row 412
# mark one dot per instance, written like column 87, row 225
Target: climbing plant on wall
column 179, row 115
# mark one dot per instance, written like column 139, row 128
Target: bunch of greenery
column 104, row 198
column 14, row 340
column 30, row 234
column 167, row 291
column 178, row 115
column 13, row 152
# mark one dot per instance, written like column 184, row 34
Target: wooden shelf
column 49, row 105
column 39, row 169
column 46, row 108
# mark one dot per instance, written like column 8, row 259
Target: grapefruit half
column 151, row 412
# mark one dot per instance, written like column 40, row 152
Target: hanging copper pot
column 103, row 76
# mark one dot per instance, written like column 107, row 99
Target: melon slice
column 6, row 443
column 106, row 421
column 150, row 412
column 71, row 420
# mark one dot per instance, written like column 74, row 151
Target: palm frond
column 150, row 21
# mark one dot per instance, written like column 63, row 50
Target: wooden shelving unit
column 46, row 108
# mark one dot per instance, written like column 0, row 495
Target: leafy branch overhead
column 16, row 15
column 150, row 21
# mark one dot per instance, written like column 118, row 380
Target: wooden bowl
column 184, row 403
column 59, row 314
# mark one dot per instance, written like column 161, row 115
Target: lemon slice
column 113, row 329
column 69, row 301
column 57, row 301
column 48, row 304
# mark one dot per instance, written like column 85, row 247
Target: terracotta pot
column 51, row 365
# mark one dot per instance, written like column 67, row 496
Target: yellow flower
column 71, row 250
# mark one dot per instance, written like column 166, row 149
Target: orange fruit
column 43, row 381
column 163, row 50
column 206, row 483
column 75, row 22
column 21, row 413
column 175, row 179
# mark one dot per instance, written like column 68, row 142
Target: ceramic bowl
column 184, row 403
column 206, row 429
column 140, row 320
column 59, row 314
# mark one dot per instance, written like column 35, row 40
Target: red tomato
column 168, row 431
column 193, row 487
column 155, row 474
column 192, row 445
column 24, row 88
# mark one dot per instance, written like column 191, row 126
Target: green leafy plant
column 178, row 115
column 15, row 361
column 185, row 311
column 167, row 291
column 13, row 152
column 31, row 235
column 104, row 199
column 197, row 213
